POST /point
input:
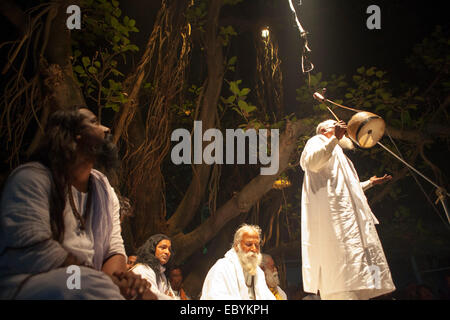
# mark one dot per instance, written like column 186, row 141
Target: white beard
column 249, row 261
column 346, row 143
column 272, row 279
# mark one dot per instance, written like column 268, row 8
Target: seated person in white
column 238, row 276
column 272, row 279
column 152, row 257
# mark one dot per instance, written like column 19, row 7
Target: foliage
column 98, row 50
column 432, row 54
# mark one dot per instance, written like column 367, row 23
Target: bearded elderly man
column 342, row 255
column 272, row 279
column 238, row 276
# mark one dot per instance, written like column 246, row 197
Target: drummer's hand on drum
column 379, row 180
column 340, row 128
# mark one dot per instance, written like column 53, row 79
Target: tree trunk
column 215, row 62
column 244, row 200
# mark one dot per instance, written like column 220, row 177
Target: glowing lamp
column 265, row 33
column 281, row 184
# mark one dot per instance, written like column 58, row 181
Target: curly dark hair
column 146, row 254
column 56, row 151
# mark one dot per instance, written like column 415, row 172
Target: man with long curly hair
column 58, row 211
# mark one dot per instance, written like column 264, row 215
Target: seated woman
column 152, row 256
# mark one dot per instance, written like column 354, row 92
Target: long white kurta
column 161, row 289
column 341, row 250
column 225, row 281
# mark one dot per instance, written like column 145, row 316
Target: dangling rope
column 440, row 190
column 433, row 205
column 306, row 49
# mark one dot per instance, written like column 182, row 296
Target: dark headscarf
column 146, row 254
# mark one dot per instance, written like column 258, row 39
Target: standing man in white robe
column 341, row 252
column 238, row 276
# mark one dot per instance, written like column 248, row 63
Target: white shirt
column 161, row 289
column 226, row 281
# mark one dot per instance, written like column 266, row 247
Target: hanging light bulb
column 265, row 32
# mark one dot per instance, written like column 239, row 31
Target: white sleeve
column 366, row 185
column 148, row 274
column 116, row 245
column 317, row 153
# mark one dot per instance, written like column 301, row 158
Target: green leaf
column 86, row 61
column 370, row 72
column 78, row 69
column 361, row 70
column 380, row 107
column 251, row 108
column 244, row 92
column 132, row 47
column 110, row 105
column 234, row 88
column 385, row 95
column 243, row 105
column 97, row 64
column 231, row 99
column 232, row 61
column 367, row 104
column 114, row 23
column 92, row 70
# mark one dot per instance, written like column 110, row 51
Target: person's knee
column 74, row 283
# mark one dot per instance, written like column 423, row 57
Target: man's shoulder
column 30, row 172
column 318, row 138
column 224, row 264
column 99, row 175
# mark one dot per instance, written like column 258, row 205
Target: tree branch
column 245, row 199
column 188, row 206
column 15, row 15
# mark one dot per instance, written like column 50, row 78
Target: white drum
column 366, row 129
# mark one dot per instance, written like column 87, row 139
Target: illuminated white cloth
column 225, row 281
column 161, row 289
column 341, row 250
column 282, row 294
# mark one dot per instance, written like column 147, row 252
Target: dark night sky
column 341, row 42
column 338, row 36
